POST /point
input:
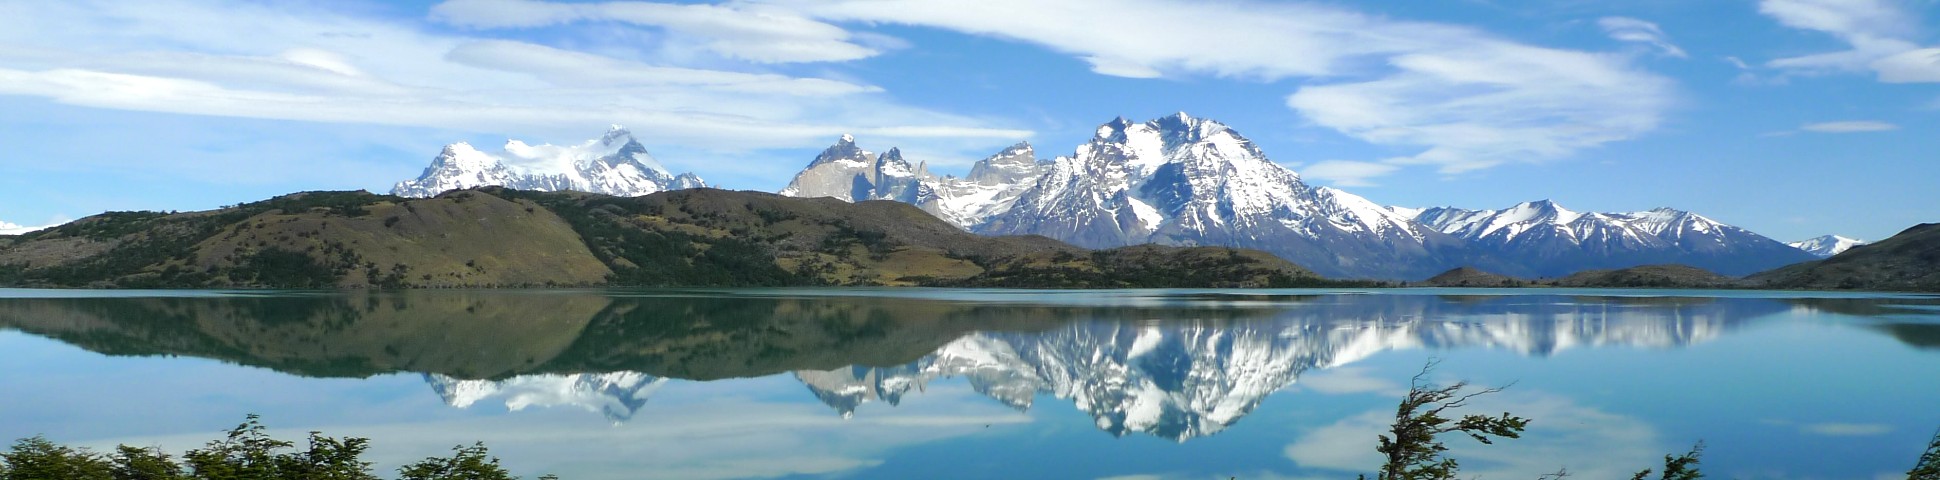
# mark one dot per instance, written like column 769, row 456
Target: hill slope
column 498, row 237
column 1907, row 261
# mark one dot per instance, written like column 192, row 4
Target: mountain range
column 1182, row 180
column 1173, row 181
column 614, row 164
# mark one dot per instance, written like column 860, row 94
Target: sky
column 1792, row 118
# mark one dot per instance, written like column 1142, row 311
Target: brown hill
column 1648, row 276
column 497, row 237
column 1470, row 277
column 1909, row 261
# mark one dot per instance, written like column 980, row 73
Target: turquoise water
column 926, row 383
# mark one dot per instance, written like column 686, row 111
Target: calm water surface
column 852, row 383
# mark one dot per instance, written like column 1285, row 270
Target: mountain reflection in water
column 1172, row 365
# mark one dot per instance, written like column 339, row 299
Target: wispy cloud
column 1846, row 429
column 745, row 31
column 1849, row 127
column 1633, row 30
column 1465, row 98
column 250, row 61
column 1878, row 33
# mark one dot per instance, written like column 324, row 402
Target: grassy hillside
column 1648, row 276
column 496, row 237
column 1909, row 261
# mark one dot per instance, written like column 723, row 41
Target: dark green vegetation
column 495, row 237
column 1471, row 277
column 1645, row 276
column 247, row 452
column 1928, row 467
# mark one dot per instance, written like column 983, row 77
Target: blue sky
column 1793, row 118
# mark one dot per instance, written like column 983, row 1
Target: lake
column 926, row 383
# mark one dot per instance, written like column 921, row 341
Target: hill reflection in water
column 1175, row 365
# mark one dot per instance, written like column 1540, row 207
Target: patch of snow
column 1827, row 245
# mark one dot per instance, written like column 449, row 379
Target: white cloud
column 743, row 31
column 1347, row 173
column 575, row 69
column 1492, row 103
column 1912, row 66
column 1639, row 31
column 1855, row 126
column 16, row 229
column 1844, row 18
column 1466, row 98
column 1878, row 33
column 247, row 60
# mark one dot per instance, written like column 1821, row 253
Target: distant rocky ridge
column 1543, row 239
column 1182, row 180
column 614, row 164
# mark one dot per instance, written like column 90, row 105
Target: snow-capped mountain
column 847, row 172
column 614, row 164
column 1544, row 239
column 1176, row 180
column 1181, row 180
column 617, row 395
column 1826, row 245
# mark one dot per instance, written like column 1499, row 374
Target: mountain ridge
column 613, row 164
column 1182, row 180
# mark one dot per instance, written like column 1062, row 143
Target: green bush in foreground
column 246, row 453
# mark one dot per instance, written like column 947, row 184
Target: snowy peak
column 1826, row 245
column 614, row 164
column 616, row 395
